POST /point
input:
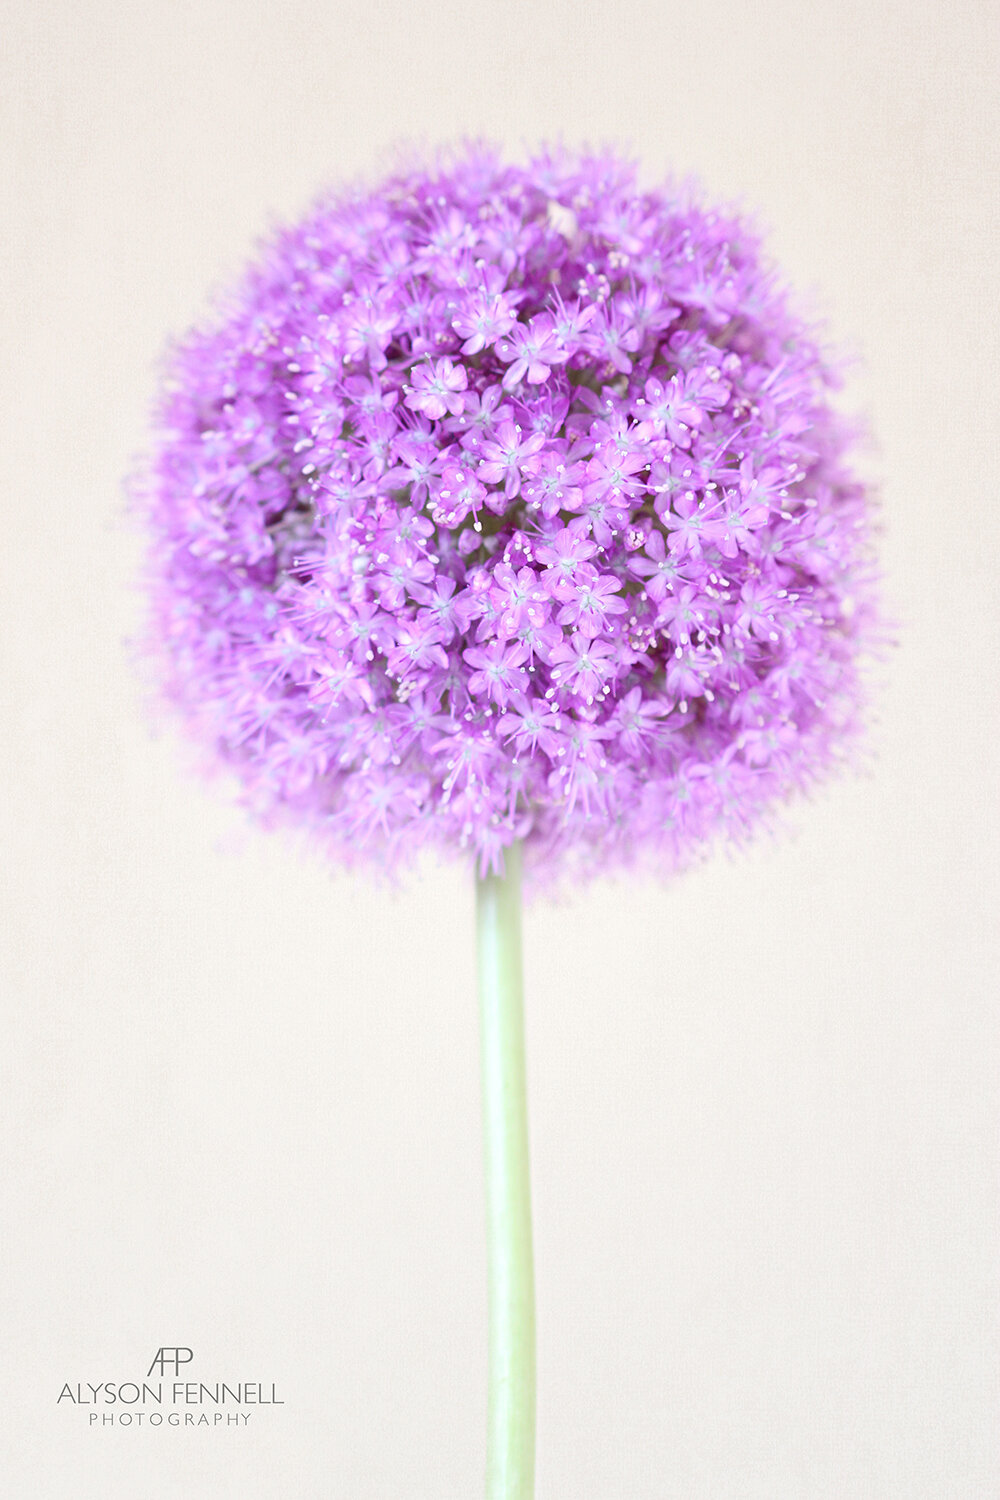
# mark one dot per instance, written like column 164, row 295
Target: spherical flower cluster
column 508, row 503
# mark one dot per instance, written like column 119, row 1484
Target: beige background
column 240, row 1104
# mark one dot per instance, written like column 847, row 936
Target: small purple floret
column 509, row 503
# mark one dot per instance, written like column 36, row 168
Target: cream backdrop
column 240, row 1097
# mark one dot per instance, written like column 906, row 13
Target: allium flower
column 507, row 504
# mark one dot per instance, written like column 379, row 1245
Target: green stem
column 510, row 1460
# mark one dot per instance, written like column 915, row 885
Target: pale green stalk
column 510, row 1459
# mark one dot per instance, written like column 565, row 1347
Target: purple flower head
column 437, row 388
column 508, row 503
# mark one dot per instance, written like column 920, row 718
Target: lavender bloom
column 509, row 503
column 437, row 388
